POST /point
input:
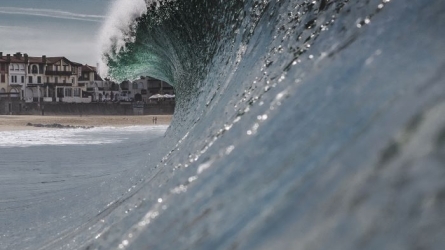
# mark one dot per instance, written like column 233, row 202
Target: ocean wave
column 299, row 125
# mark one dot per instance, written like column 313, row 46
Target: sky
column 67, row 28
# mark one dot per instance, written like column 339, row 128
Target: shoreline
column 19, row 122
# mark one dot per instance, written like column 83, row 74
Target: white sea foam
column 116, row 29
column 94, row 136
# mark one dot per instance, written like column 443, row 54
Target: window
column 41, row 68
column 135, row 85
column 3, row 78
column 39, row 79
column 68, row 92
column 76, row 92
column 56, row 79
column 23, row 79
column 64, row 80
column 47, row 79
column 35, row 70
column 72, row 81
column 30, row 79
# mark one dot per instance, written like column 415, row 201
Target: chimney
column 8, row 57
column 44, row 59
column 26, row 58
column 18, row 55
column 1, row 54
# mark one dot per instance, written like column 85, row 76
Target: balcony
column 9, row 95
column 34, row 85
column 16, row 84
column 54, row 84
column 59, row 73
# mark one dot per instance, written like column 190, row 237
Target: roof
column 76, row 63
column 17, row 60
column 87, row 68
column 90, row 69
column 52, row 60
column 97, row 77
column 39, row 60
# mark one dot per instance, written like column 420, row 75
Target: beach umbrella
column 156, row 96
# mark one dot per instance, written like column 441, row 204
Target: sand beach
column 19, row 122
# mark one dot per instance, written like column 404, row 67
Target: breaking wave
column 295, row 122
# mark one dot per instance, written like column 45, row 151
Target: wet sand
column 19, row 122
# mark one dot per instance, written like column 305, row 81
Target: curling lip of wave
column 115, row 29
column 51, row 13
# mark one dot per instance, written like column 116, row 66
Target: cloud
column 12, row 27
column 51, row 14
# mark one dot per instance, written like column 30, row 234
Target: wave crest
column 118, row 27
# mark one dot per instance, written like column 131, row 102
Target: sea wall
column 16, row 107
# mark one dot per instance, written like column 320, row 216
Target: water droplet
column 229, row 149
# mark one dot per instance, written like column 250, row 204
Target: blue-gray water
column 299, row 125
column 53, row 180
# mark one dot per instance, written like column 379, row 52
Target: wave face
column 299, row 124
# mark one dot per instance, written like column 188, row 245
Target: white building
column 17, row 73
column 35, row 79
column 143, row 88
column 4, row 76
column 62, row 81
column 100, row 90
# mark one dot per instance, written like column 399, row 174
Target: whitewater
column 299, row 125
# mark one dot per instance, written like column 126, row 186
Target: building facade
column 4, row 76
column 17, row 73
column 145, row 87
column 57, row 79
column 41, row 79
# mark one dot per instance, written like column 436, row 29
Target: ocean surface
column 299, row 125
column 53, row 180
